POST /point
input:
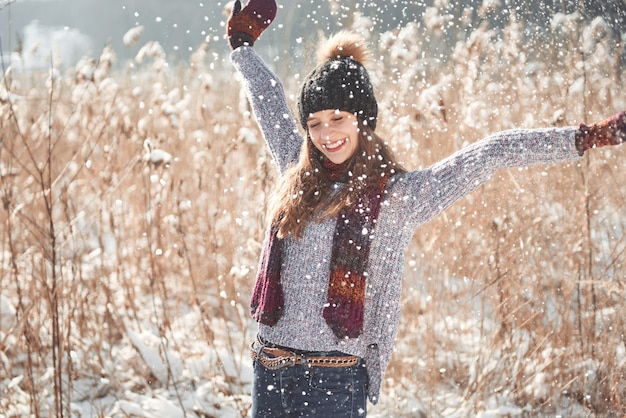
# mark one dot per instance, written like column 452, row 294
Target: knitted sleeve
column 422, row 194
column 267, row 97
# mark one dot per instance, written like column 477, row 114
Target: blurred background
column 30, row 29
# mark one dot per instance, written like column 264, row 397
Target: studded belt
column 274, row 358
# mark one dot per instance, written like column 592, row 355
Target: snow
column 501, row 316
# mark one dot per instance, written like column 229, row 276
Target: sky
column 73, row 28
column 76, row 27
column 70, row 29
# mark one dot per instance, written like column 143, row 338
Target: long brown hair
column 305, row 191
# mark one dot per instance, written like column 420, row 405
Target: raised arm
column 422, row 194
column 264, row 90
column 267, row 97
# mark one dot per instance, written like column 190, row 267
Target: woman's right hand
column 244, row 26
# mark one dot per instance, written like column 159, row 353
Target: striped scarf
column 344, row 310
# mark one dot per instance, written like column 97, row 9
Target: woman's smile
column 334, row 146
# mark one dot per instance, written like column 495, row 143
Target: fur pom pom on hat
column 340, row 81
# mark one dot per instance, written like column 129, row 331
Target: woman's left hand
column 244, row 26
column 611, row 131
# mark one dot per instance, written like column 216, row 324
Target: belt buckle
column 272, row 363
column 277, row 363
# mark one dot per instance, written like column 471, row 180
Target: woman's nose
column 325, row 131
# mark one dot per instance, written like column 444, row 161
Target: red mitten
column 244, row 26
column 611, row 131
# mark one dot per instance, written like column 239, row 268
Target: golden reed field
column 126, row 272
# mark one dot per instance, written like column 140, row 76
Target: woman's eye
column 314, row 125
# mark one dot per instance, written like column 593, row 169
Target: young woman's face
column 335, row 133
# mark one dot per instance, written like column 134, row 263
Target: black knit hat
column 339, row 83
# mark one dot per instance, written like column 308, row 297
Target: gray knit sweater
column 412, row 199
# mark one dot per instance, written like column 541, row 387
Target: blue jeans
column 309, row 391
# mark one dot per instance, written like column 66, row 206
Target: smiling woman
column 334, row 133
column 328, row 288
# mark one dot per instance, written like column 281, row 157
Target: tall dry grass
column 121, row 276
